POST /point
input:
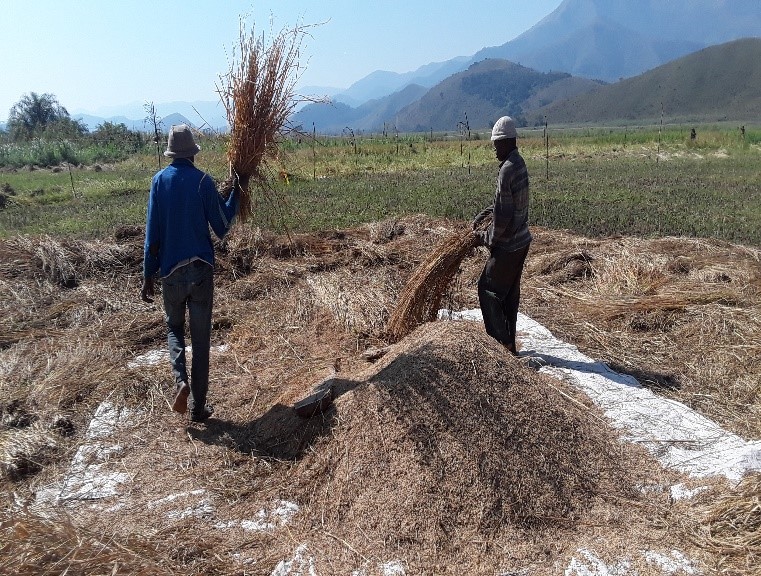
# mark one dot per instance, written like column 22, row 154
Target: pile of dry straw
column 730, row 526
column 54, row 545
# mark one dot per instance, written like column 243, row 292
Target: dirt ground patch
column 443, row 457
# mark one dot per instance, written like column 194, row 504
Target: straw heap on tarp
column 419, row 300
column 258, row 95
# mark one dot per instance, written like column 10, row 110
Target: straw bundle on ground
column 419, row 300
column 258, row 95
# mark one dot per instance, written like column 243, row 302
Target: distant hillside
column 334, row 117
column 613, row 39
column 141, row 125
column 92, row 122
column 206, row 114
column 718, row 83
column 381, row 83
column 174, row 119
column 603, row 50
column 598, row 39
column 486, row 91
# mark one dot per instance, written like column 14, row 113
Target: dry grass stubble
column 682, row 315
column 440, row 424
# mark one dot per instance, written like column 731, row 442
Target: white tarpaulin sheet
column 676, row 435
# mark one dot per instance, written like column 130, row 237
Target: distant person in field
column 182, row 205
column 693, row 135
column 507, row 237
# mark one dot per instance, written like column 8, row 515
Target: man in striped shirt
column 508, row 238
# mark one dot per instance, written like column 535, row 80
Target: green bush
column 46, row 153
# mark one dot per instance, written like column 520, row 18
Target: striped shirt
column 509, row 229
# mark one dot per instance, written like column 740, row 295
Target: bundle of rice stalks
column 420, row 299
column 258, row 95
column 668, row 300
column 731, row 528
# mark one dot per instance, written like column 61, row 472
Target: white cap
column 504, row 128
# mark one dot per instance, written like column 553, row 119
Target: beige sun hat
column 181, row 142
column 504, row 128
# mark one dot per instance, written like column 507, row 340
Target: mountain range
column 478, row 96
column 200, row 114
column 718, row 83
column 592, row 41
column 584, row 47
column 598, row 39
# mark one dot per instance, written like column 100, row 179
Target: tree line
column 41, row 116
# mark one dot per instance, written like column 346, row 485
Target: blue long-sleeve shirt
column 182, row 205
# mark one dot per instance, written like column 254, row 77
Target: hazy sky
column 97, row 54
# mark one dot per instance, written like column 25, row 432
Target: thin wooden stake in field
column 71, row 178
column 155, row 123
column 547, row 147
column 314, row 152
column 660, row 131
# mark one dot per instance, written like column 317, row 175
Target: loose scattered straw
column 31, row 544
column 419, row 300
column 731, row 528
column 258, row 95
column 442, row 453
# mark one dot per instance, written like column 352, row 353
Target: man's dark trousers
column 190, row 287
column 499, row 292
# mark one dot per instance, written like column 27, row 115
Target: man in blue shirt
column 508, row 238
column 182, row 205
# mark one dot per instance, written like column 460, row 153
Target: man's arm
column 148, row 289
column 220, row 213
column 502, row 210
column 151, row 262
column 483, row 215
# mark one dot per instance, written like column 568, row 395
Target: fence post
column 547, row 148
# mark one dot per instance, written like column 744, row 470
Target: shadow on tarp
column 279, row 434
column 649, row 379
column 617, row 372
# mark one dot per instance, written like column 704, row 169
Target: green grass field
column 595, row 181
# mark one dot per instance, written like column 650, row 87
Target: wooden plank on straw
column 420, row 298
column 258, row 95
